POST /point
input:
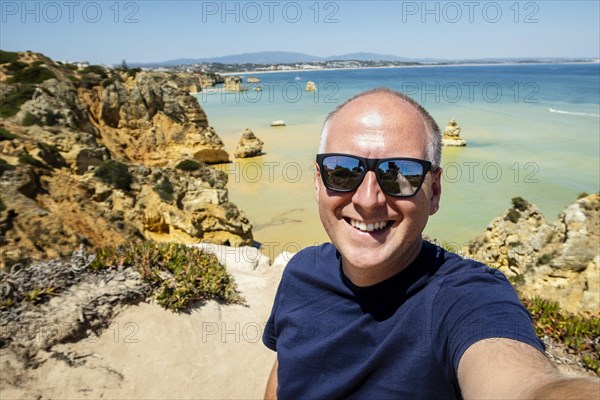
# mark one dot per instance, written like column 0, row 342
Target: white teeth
column 368, row 227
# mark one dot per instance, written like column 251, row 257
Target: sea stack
column 233, row 84
column 249, row 145
column 311, row 87
column 452, row 135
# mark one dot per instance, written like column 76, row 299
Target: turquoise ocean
column 532, row 130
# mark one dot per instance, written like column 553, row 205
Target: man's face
column 377, row 126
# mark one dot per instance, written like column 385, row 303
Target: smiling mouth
column 370, row 227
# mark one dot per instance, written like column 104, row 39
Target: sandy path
column 213, row 352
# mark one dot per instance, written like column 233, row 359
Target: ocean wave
column 574, row 113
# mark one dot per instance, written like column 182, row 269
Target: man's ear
column 436, row 190
column 317, row 182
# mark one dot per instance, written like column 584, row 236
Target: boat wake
column 574, row 113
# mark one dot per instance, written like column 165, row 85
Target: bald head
column 381, row 107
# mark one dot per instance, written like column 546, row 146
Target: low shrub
column 95, row 69
column 133, row 71
column 11, row 103
column 8, row 56
column 28, row 159
column 32, row 74
column 52, row 118
column 31, row 119
column 6, row 135
column 545, row 259
column 188, row 165
column 4, row 166
column 114, row 173
column 179, row 274
column 513, row 215
column 519, row 203
column 165, row 189
column 578, row 332
column 16, row 66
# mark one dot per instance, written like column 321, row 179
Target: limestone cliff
column 558, row 261
column 60, row 124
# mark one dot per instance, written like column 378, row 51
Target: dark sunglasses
column 397, row 176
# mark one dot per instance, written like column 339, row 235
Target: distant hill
column 277, row 57
column 362, row 56
column 263, row 57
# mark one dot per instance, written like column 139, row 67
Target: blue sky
column 146, row 31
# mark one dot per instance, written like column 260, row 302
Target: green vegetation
column 38, row 295
column 188, row 165
column 516, row 280
column 133, row 71
column 578, row 332
column 165, row 189
column 513, row 215
column 4, row 166
column 16, row 66
column 11, row 103
column 520, row 203
column 52, row 118
column 108, row 81
column 95, row 69
column 179, row 274
column 32, row 74
column 6, row 135
column 545, row 259
column 27, row 159
column 8, row 56
column 31, row 119
column 50, row 154
column 114, row 173
column 582, row 195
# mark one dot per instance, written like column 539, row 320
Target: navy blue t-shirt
column 399, row 339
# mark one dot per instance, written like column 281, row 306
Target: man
column 384, row 314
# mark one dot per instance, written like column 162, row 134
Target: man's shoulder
column 455, row 265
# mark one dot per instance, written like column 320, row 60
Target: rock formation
column 558, row 261
column 278, row 122
column 249, row 145
column 210, row 79
column 233, row 84
column 252, row 79
column 152, row 119
column 75, row 121
column 451, row 135
column 310, row 86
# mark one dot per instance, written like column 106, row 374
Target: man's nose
column 369, row 194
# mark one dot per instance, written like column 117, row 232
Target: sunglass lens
column 342, row 172
column 400, row 177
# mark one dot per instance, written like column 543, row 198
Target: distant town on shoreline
column 348, row 64
column 218, row 67
column 278, row 61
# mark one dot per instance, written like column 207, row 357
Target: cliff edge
column 96, row 156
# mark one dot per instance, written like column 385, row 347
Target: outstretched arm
column 271, row 390
column 499, row 368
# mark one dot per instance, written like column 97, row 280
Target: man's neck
column 364, row 277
